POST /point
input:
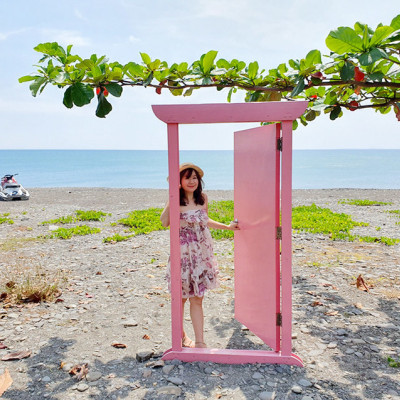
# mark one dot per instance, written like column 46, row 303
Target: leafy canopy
column 361, row 71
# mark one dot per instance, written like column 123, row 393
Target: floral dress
column 198, row 264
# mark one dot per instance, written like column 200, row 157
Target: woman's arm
column 233, row 226
column 165, row 215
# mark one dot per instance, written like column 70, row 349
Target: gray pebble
column 144, row 355
column 82, row 387
column 93, row 376
column 257, row 376
column 170, row 389
column 175, row 380
column 267, row 395
column 297, row 389
column 167, row 369
column 304, row 383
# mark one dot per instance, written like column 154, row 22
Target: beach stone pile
column 112, row 319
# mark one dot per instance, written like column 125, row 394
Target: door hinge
column 279, row 319
column 279, row 233
column 279, row 144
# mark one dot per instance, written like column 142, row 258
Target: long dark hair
column 197, row 194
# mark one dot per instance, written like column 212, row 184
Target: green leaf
column 230, row 95
column 67, row 101
column 81, row 94
column 335, row 112
column 146, row 59
column 103, row 107
column 347, row 72
column 395, row 24
column 299, row 88
column 188, row 92
column 52, row 49
column 27, row 78
column 344, row 40
column 135, row 70
column 222, row 63
column 371, row 56
column 114, row 89
column 148, row 80
column 182, row 67
column 252, row 69
column 35, row 86
column 380, row 34
column 313, row 58
column 294, row 64
column 208, row 60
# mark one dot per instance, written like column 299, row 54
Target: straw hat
column 190, row 165
column 184, row 166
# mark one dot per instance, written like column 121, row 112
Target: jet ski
column 11, row 190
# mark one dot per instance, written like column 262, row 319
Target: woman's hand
column 234, row 225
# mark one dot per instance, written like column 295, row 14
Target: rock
column 93, row 376
column 173, row 390
column 129, row 323
column 82, row 387
column 297, row 389
column 332, row 345
column 175, row 380
column 267, row 395
column 147, row 373
column 306, row 398
column 46, row 379
column 144, row 355
column 304, row 383
column 257, row 376
column 167, row 369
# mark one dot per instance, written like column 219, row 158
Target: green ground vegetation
column 365, row 202
column 221, row 211
column 67, row 233
column 4, row 219
column 143, row 221
column 80, row 215
column 393, row 363
column 116, row 238
column 320, row 220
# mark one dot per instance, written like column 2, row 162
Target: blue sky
column 270, row 32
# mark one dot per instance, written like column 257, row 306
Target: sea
column 312, row 169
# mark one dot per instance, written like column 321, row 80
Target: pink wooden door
column 256, row 180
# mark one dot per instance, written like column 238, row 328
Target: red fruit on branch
column 318, row 75
column 314, row 96
column 358, row 75
column 98, row 90
column 162, row 83
column 353, row 105
column 105, row 92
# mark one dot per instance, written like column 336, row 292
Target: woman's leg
column 196, row 314
column 186, row 342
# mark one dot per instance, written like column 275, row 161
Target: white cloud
column 66, row 37
column 79, row 15
column 6, row 35
column 133, row 39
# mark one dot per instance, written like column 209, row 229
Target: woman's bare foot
column 201, row 345
column 186, row 342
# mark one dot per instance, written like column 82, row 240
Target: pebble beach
column 115, row 293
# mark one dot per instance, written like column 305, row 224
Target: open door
column 256, row 180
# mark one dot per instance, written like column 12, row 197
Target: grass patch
column 67, row 233
column 5, row 220
column 393, row 363
column 221, row 211
column 24, row 283
column 143, row 221
column 80, row 215
column 116, row 238
column 359, row 202
column 316, row 219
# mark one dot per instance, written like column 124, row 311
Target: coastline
column 117, row 293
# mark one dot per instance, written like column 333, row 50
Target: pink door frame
column 285, row 113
